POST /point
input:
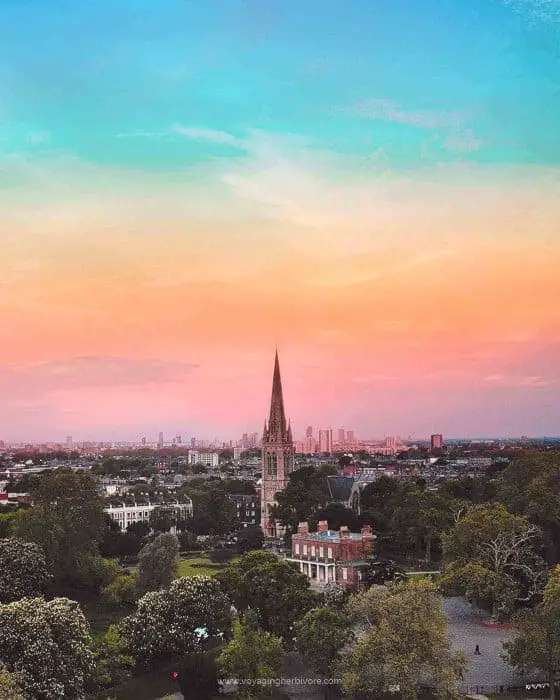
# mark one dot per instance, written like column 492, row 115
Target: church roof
column 277, row 429
column 340, row 488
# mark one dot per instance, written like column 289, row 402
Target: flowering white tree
column 23, row 570
column 166, row 621
column 46, row 646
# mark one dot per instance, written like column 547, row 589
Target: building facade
column 277, row 454
column 209, row 459
column 331, row 555
column 248, row 509
column 325, row 440
column 125, row 514
column 437, row 441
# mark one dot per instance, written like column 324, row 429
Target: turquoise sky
column 426, row 80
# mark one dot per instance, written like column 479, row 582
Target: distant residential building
column 341, row 435
column 69, row 441
column 160, row 440
column 350, row 436
column 437, row 441
column 299, row 447
column 237, row 451
column 309, row 445
column 331, row 555
column 127, row 513
column 309, row 431
column 248, row 509
column 209, row 459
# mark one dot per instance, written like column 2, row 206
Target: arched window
column 271, row 464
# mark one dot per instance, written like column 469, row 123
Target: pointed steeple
column 277, row 421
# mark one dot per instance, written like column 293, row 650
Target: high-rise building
column 160, row 440
column 178, row 439
column 390, row 443
column 325, row 440
column 68, row 441
column 277, row 454
column 437, row 441
column 143, row 441
column 350, row 436
column 341, row 435
column 309, row 431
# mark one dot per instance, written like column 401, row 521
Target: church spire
column 277, row 428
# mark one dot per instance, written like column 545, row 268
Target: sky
column 373, row 186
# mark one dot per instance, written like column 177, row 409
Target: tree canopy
column 23, row 570
column 403, row 644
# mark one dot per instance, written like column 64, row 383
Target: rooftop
column 329, row 535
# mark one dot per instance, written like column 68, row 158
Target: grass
column 200, row 566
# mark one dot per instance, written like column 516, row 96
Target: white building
column 125, row 514
column 209, row 459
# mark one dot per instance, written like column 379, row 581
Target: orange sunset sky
column 168, row 216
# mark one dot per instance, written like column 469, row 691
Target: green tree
column 165, row 623
column 321, row 636
column 158, row 562
column 530, row 486
column 67, row 521
column 23, row 570
column 113, row 663
column 214, row 511
column 250, row 538
column 123, row 591
column 47, row 646
column 403, row 644
column 9, row 689
column 273, row 589
column 493, row 557
column 251, row 657
column 162, row 519
column 307, row 491
column 537, row 645
column 198, row 676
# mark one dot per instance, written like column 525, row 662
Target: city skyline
column 184, row 187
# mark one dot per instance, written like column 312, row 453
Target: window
column 329, row 552
column 297, row 547
column 313, row 550
column 271, row 464
column 345, row 574
column 321, row 552
column 305, row 549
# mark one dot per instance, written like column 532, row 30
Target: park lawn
column 201, row 566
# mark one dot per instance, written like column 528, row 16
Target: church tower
column 277, row 454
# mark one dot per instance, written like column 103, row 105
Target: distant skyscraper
column 277, row 453
column 309, row 431
column 390, row 443
column 178, row 439
column 160, row 440
column 341, row 435
column 437, row 441
column 350, row 436
column 143, row 441
column 325, row 440
column 68, row 441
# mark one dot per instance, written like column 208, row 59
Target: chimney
column 322, row 526
column 344, row 532
column 303, row 529
column 367, row 533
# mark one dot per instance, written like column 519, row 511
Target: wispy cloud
column 516, row 381
column 210, row 135
column 166, row 134
column 95, row 371
column 537, row 11
column 389, row 111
